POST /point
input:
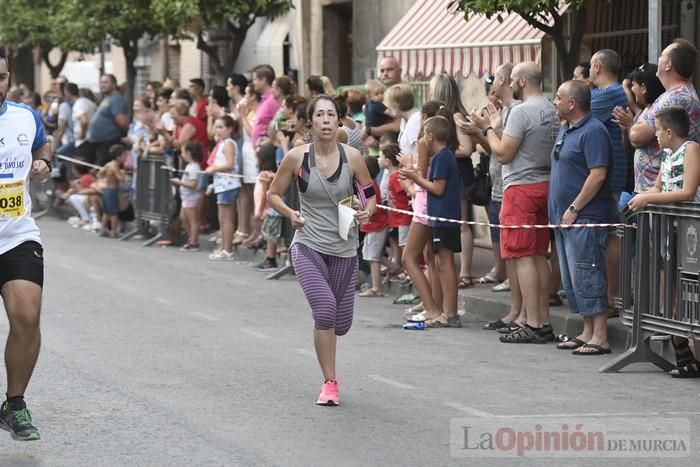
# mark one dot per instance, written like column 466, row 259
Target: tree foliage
column 545, row 15
column 218, row 22
column 46, row 24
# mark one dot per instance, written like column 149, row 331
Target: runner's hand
column 362, row 217
column 298, row 222
column 40, row 171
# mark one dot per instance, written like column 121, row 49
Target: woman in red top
column 187, row 128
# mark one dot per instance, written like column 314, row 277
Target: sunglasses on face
column 489, row 79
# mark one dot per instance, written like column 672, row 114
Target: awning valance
column 431, row 39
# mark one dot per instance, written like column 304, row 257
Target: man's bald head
column 526, row 80
column 531, row 71
column 389, row 71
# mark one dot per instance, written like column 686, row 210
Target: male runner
column 24, row 155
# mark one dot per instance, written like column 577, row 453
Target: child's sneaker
column 221, row 255
column 190, row 247
column 329, row 394
column 269, row 265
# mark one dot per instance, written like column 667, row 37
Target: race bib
column 12, row 199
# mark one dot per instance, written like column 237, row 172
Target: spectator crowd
column 563, row 161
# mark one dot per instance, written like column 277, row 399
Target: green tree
column 45, row 24
column 545, row 15
column 219, row 21
column 126, row 22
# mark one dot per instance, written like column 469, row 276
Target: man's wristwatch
column 485, row 131
column 573, row 209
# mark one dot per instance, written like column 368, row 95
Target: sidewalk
column 482, row 304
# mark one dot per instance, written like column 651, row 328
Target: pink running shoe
column 329, row 394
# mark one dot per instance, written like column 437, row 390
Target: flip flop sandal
column 690, row 370
column 578, row 342
column 453, row 322
column 488, row 279
column 598, row 350
column 502, row 287
column 465, row 282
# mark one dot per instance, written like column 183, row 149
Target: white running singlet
column 21, row 132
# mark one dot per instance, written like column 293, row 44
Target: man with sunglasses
column 579, row 193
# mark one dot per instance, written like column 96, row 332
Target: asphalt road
column 153, row 357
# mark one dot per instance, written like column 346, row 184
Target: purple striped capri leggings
column 329, row 285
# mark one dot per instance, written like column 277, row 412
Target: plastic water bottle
column 94, row 218
column 419, row 326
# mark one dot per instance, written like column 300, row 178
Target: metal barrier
column 154, row 197
column 662, row 251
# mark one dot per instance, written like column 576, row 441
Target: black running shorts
column 23, row 262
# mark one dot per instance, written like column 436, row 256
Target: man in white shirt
column 83, row 110
column 24, row 155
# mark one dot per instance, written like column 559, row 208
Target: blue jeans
column 582, row 263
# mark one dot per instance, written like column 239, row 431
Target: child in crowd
column 443, row 187
column 398, row 199
column 271, row 220
column 79, row 193
column 226, row 186
column 376, row 113
column 113, row 174
column 375, row 236
column 678, row 180
column 192, row 156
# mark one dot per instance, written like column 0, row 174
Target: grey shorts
column 272, row 228
column 403, row 234
column 373, row 245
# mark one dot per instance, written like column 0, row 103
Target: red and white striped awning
column 431, row 39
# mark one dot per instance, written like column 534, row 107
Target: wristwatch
column 486, row 131
column 573, row 209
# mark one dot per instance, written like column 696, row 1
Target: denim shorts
column 110, row 201
column 227, row 197
column 582, row 263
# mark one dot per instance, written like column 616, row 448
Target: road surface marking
column 600, row 414
column 257, row 334
column 467, row 409
column 204, row 316
column 164, row 301
column 391, row 382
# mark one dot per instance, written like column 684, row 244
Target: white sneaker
column 221, row 255
column 73, row 220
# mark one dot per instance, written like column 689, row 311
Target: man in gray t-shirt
column 524, row 150
column 110, row 121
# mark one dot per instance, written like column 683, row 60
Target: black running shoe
column 18, row 423
column 269, row 265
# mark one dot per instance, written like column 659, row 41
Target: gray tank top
column 319, row 207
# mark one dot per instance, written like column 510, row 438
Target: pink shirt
column 263, row 116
